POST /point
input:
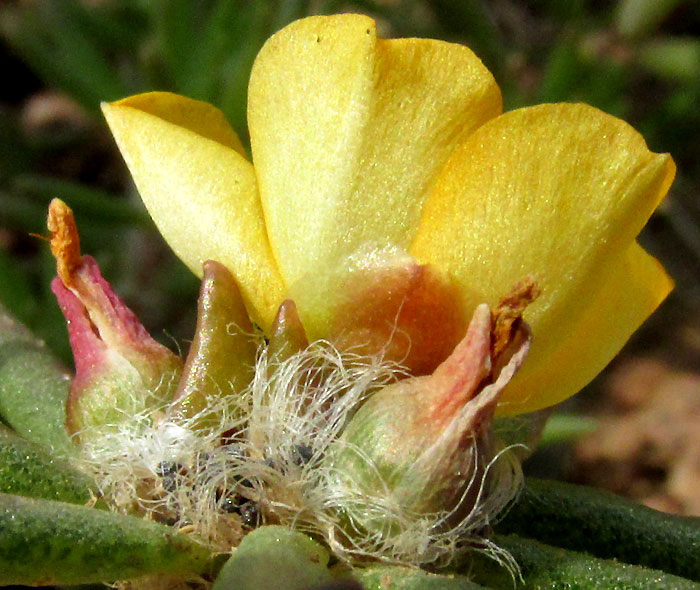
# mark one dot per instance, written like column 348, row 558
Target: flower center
column 409, row 313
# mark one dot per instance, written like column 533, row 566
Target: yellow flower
column 388, row 190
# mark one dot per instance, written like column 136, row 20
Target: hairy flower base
column 270, row 467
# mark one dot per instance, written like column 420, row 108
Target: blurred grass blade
column 472, row 19
column 562, row 72
column 84, row 62
column 225, row 34
column 33, row 388
column 561, row 428
column 112, row 25
column 174, row 21
column 286, row 11
column 209, row 49
column 43, row 542
column 94, row 204
column 20, row 213
column 252, row 29
column 27, row 469
column 15, row 292
column 15, row 153
column 636, row 18
column 62, row 51
column 24, row 32
column 676, row 59
column 605, row 525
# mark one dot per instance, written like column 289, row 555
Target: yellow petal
column 197, row 116
column 201, row 192
column 348, row 133
column 558, row 192
column 632, row 289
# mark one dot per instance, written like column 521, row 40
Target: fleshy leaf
column 28, row 469
column 199, row 189
column 348, row 133
column 272, row 554
column 387, row 577
column 597, row 522
column 544, row 566
column 33, row 387
column 48, row 543
column 558, row 192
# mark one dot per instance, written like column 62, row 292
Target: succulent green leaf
column 43, row 543
column 404, row 578
column 605, row 525
column 272, row 557
column 33, row 387
column 551, row 568
column 28, row 469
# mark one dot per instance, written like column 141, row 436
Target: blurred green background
column 636, row 59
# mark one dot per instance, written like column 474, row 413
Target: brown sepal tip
column 507, row 316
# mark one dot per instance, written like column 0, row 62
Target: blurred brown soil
column 648, row 444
